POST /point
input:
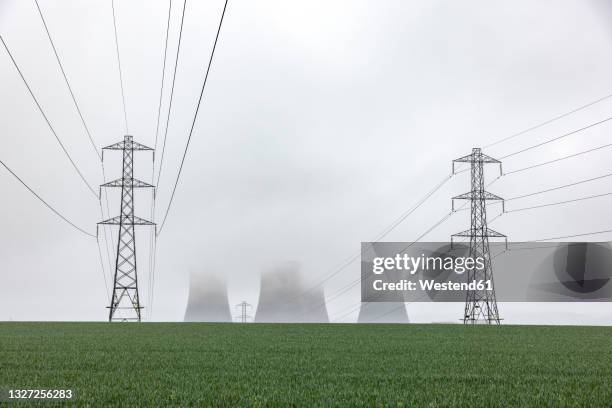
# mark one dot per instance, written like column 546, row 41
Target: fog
column 322, row 122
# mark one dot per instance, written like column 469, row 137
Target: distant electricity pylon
column 243, row 317
column 480, row 303
column 125, row 302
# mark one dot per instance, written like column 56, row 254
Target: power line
column 537, row 247
column 104, row 227
column 153, row 262
column 559, row 202
column 548, row 190
column 152, row 256
column 110, row 265
column 78, row 109
column 414, row 208
column 178, row 51
column 103, row 272
column 47, row 119
column 161, row 91
column 152, row 248
column 59, row 62
column 557, row 160
column 559, row 187
column 152, row 235
column 119, row 64
column 557, row 138
column 533, row 247
column 567, row 236
column 45, row 203
column 539, row 125
column 194, row 119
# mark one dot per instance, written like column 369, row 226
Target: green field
column 193, row 364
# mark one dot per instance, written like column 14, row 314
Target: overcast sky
column 321, row 123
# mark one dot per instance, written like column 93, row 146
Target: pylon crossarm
column 466, row 233
column 115, row 146
column 126, row 221
column 111, row 221
column 477, row 195
column 480, row 158
column 128, row 308
column 488, row 233
column 492, row 233
column 139, row 146
column 141, row 221
column 129, row 145
column 119, row 183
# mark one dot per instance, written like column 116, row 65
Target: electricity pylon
column 125, row 302
column 243, row 316
column 480, row 303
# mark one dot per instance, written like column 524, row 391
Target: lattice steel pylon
column 243, row 316
column 480, row 303
column 125, row 301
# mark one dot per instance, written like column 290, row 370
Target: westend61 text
column 430, row 284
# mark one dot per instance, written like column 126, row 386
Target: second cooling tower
column 285, row 298
column 207, row 299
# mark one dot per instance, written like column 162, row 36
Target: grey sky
column 322, row 122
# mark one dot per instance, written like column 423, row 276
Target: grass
column 193, row 364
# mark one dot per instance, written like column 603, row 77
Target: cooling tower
column 285, row 298
column 207, row 299
column 393, row 309
column 382, row 312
